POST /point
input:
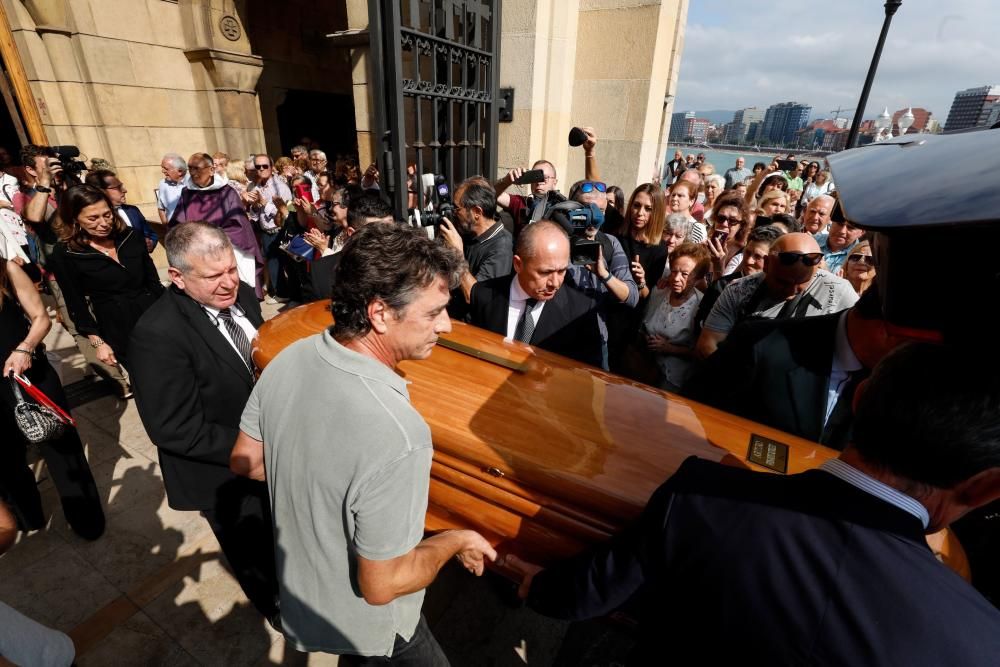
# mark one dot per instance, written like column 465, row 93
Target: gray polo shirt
column 348, row 467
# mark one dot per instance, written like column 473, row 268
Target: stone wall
column 129, row 80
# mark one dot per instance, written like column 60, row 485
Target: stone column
column 538, row 52
column 226, row 70
column 364, row 119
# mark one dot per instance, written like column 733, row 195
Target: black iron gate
column 436, row 70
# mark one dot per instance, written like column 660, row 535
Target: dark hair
column 476, row 191
column 773, row 178
column 765, row 234
column 931, row 413
column 368, row 205
column 30, row 151
column 619, row 204
column 758, row 165
column 73, row 201
column 389, row 262
column 787, row 220
column 99, row 178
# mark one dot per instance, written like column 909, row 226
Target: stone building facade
column 129, row 80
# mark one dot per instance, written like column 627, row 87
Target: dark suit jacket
column 190, row 387
column 739, row 567
column 772, row 371
column 321, row 275
column 568, row 324
column 140, row 224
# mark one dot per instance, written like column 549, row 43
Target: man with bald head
column 534, row 305
column 791, row 286
column 816, row 217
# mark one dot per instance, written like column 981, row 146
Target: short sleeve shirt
column 825, row 295
column 340, row 488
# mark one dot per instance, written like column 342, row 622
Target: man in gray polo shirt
column 349, row 493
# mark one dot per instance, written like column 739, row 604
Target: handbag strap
column 16, row 388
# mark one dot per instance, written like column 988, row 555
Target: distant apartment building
column 921, row 117
column 782, row 122
column 971, row 107
column 740, row 125
column 685, row 126
column 678, row 125
column 993, row 117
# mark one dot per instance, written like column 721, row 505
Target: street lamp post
column 905, row 121
column 890, row 9
column 882, row 122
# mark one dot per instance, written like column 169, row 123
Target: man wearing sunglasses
column 791, row 286
column 263, row 196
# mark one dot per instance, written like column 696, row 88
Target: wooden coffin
column 543, row 455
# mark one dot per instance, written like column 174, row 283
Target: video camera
column 442, row 204
column 576, row 218
column 72, row 167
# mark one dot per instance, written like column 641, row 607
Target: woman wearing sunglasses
column 728, row 234
column 860, row 268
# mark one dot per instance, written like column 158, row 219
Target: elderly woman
column 670, row 322
column 714, row 185
column 860, row 268
column 676, row 230
column 822, row 185
column 107, row 277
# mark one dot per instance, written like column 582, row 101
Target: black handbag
column 39, row 422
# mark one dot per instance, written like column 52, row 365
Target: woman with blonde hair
column 772, row 203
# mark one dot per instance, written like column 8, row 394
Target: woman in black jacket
column 105, row 273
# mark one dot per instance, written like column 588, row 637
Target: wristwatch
column 641, row 285
column 97, row 344
column 42, row 188
column 608, row 279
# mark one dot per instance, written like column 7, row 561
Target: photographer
column 489, row 249
column 544, row 195
column 44, row 183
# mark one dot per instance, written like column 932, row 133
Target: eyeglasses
column 261, row 167
column 590, row 186
column 791, row 258
column 868, row 260
column 197, row 167
column 726, row 220
column 120, row 186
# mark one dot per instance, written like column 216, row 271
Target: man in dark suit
column 829, row 566
column 192, row 375
column 533, row 305
column 797, row 375
column 108, row 181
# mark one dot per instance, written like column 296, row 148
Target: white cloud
column 740, row 54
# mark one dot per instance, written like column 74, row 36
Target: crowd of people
column 748, row 290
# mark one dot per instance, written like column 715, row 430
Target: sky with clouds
column 739, row 54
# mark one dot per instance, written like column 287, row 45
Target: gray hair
column 715, row 178
column 269, row 160
column 678, row 222
column 317, row 153
column 194, row 239
column 177, row 162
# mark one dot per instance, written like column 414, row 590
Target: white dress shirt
column 868, row 484
column 123, row 216
column 845, row 362
column 518, row 301
column 239, row 317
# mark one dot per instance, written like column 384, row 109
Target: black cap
column 925, row 199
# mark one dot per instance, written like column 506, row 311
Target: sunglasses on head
column 590, row 186
column 864, row 259
column 807, row 258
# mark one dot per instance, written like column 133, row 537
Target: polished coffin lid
column 541, row 454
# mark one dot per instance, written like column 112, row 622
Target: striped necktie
column 526, row 325
column 238, row 335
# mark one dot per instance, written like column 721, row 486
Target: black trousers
column 422, row 650
column 241, row 521
column 64, row 458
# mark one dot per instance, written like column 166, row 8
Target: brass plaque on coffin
column 768, row 453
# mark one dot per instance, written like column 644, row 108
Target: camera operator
column 544, row 195
column 488, row 248
column 44, row 182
